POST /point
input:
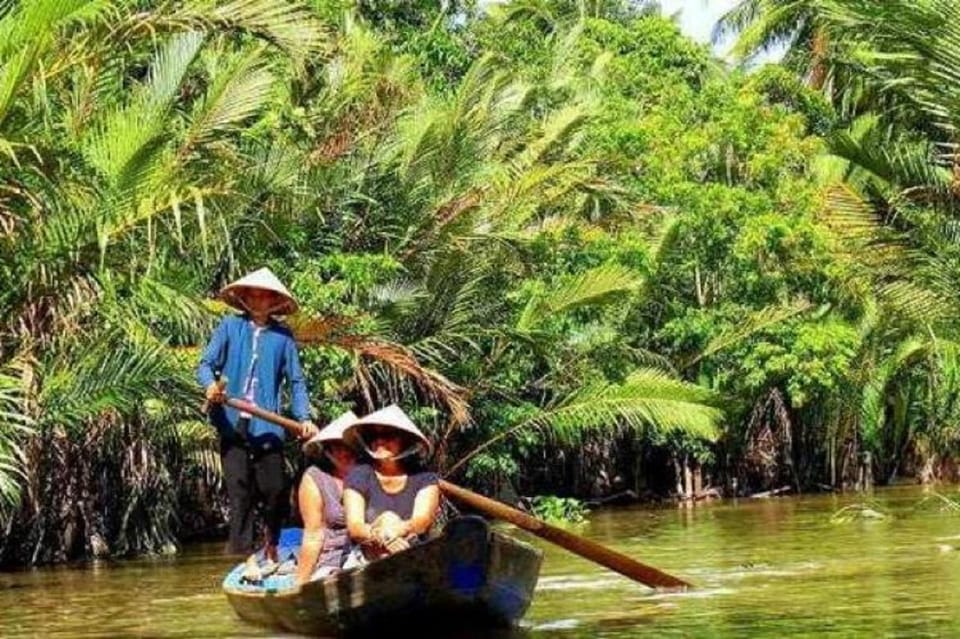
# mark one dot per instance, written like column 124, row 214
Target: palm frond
column 557, row 131
column 873, row 405
column 437, row 138
column 451, row 316
column 36, row 22
column 112, row 372
column 399, row 361
column 739, row 17
column 772, row 23
column 238, row 91
column 886, row 260
column 518, row 193
column 901, row 171
column 124, row 142
column 170, row 313
column 15, row 427
column 648, row 400
column 14, row 72
column 538, row 11
column 664, row 239
column 590, row 287
column 917, row 302
column 754, row 323
column 288, row 24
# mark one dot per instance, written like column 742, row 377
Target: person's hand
column 371, row 537
column 391, row 535
column 397, row 544
column 215, row 393
column 308, row 430
column 387, row 530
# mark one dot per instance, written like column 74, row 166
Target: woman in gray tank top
column 392, row 502
column 325, row 539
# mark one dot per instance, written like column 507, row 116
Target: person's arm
column 211, row 360
column 425, row 508
column 395, row 537
column 354, row 510
column 311, row 510
column 299, row 400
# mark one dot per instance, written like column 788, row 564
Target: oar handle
column 607, row 557
column 291, row 426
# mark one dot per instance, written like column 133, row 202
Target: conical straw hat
column 265, row 280
column 393, row 417
column 332, row 432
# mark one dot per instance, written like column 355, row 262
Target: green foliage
column 784, row 88
column 889, row 198
column 538, row 225
column 810, row 362
column 564, row 510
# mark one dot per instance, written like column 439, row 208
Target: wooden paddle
column 607, row 557
column 290, row 425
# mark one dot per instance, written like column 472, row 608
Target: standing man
column 249, row 357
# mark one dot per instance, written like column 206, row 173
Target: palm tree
column 480, row 179
column 97, row 165
column 765, row 25
column 892, row 197
column 801, row 27
column 148, row 156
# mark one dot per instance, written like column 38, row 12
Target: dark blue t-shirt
column 363, row 479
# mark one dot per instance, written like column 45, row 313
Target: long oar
column 607, row 557
column 289, row 425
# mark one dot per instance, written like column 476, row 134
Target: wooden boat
column 469, row 576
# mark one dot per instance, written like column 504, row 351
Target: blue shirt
column 228, row 356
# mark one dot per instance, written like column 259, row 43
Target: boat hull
column 470, row 576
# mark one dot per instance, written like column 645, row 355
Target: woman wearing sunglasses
column 392, row 501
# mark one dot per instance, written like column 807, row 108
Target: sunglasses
column 381, row 432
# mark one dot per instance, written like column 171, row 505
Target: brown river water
column 762, row 568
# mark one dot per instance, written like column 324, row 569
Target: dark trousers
column 253, row 477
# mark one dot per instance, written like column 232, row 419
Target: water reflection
column 763, row 569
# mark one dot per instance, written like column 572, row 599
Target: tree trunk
column 818, row 56
column 678, row 472
column 832, row 452
column 865, row 474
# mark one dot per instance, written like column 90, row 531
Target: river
column 763, row 568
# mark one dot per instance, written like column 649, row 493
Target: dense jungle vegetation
column 584, row 253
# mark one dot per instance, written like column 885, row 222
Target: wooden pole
column 291, row 426
column 607, row 557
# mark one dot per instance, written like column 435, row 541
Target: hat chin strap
column 412, row 450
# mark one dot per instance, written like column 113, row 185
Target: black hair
column 323, row 462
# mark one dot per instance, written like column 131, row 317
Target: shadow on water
column 762, row 569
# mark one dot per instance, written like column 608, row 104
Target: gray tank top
column 336, row 542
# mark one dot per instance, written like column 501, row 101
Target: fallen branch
column 771, row 493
